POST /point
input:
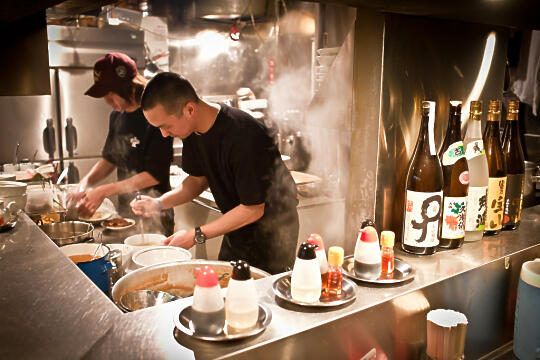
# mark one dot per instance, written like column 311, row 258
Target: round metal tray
column 402, row 272
column 182, row 321
column 282, row 289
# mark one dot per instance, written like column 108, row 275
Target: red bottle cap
column 316, row 239
column 206, row 277
column 369, row 234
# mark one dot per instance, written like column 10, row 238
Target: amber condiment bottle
column 335, row 271
column 387, row 253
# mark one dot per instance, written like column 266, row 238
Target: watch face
column 200, row 238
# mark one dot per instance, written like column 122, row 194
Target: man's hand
column 90, row 202
column 183, row 238
column 146, row 206
column 74, row 195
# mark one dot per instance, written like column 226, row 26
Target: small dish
column 116, row 224
column 142, row 299
column 182, row 321
column 98, row 216
column 282, row 289
column 402, row 272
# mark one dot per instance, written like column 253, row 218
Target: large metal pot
column 13, row 191
column 68, row 232
column 177, row 278
column 529, row 185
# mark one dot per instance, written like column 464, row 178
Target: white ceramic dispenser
column 208, row 309
column 306, row 275
column 367, row 254
column 241, row 302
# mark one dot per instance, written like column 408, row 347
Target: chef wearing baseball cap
column 138, row 152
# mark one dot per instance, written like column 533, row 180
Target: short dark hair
column 170, row 90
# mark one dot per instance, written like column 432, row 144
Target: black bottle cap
column 307, row 251
column 455, row 107
column 240, row 270
column 366, row 223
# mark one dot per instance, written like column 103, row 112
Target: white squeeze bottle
column 208, row 309
column 306, row 276
column 478, row 175
column 367, row 254
column 241, row 302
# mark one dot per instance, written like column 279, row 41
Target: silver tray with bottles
column 282, row 289
column 402, row 272
column 182, row 321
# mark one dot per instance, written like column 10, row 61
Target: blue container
column 97, row 270
column 527, row 321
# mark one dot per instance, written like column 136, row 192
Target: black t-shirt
column 135, row 146
column 242, row 165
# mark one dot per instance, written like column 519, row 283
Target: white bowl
column 149, row 240
column 159, row 255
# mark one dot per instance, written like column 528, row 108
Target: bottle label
column 464, row 178
column 474, row 148
column 495, row 203
column 476, row 208
column 453, row 153
column 514, row 199
column 453, row 217
column 422, row 215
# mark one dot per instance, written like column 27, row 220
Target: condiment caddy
column 213, row 319
column 313, row 282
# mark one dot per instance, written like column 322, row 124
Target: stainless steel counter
column 49, row 308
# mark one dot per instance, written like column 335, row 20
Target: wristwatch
column 200, row 237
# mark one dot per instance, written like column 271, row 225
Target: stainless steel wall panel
column 428, row 60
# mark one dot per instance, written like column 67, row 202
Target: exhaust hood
column 231, row 9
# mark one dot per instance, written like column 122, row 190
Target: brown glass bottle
column 423, row 185
column 456, row 182
column 497, row 170
column 515, row 168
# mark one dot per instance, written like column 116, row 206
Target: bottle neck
column 453, row 132
column 475, row 129
column 426, row 136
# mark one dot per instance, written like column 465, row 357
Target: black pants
column 268, row 244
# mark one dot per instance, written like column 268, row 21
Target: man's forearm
column 134, row 183
column 236, row 218
column 190, row 188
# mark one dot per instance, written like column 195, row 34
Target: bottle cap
column 513, row 110
column 335, row 255
column 206, row 277
column 494, row 110
column 240, row 270
column 317, row 240
column 387, row 238
column 366, row 223
column 455, row 107
column 369, row 234
column 476, row 110
column 307, row 251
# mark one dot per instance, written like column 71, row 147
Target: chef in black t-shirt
column 141, row 156
column 232, row 153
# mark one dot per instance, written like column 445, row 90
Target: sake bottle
column 475, row 154
column 456, row 182
column 423, row 186
column 515, row 163
column 497, row 170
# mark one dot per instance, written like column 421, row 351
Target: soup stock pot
column 97, row 267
